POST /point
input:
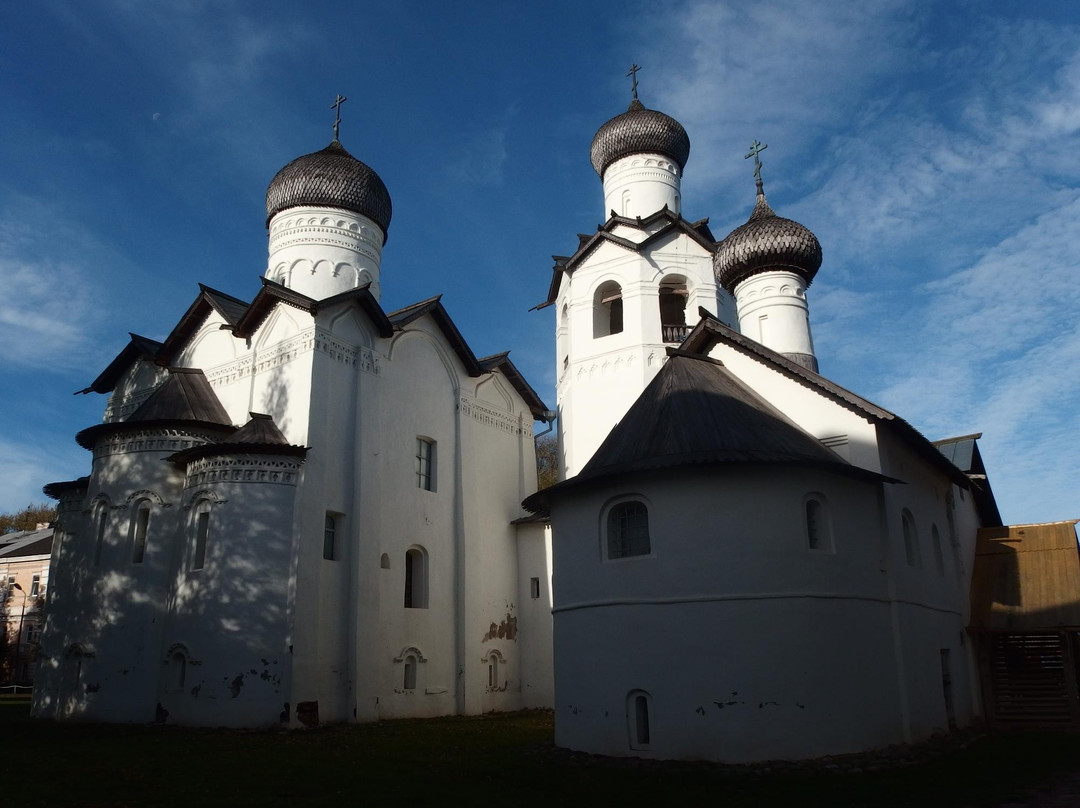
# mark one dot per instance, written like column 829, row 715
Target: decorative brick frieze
column 488, row 416
column 151, row 440
column 242, row 469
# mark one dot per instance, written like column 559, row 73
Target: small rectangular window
column 202, row 531
column 9, row 592
column 425, row 464
column 534, row 587
column 35, row 586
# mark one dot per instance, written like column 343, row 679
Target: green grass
column 506, row 759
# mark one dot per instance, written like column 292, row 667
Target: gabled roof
column 362, row 297
column 501, row 362
column 260, row 435
column 185, row 397
column 231, row 309
column 963, row 452
column 138, row 348
column 434, row 307
column 709, row 331
column 268, row 297
column 697, row 231
column 695, row 412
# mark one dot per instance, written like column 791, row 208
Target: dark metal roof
column 698, row 231
column 433, row 306
column 268, row 297
column 639, row 131
column 696, row 412
column 185, row 398
column 231, row 309
column 60, row 490
column 332, row 178
column 963, row 452
column 710, row 331
column 362, row 296
column 502, row 363
column 764, row 243
column 260, row 435
column 138, row 348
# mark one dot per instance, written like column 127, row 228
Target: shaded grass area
column 505, row 757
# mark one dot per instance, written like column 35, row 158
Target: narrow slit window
column 329, row 547
column 415, row 579
column 534, row 588
column 99, row 543
column 138, row 539
column 202, row 535
column 911, row 538
column 409, row 682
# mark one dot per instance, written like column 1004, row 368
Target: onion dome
column 330, row 178
column 639, row 131
column 764, row 243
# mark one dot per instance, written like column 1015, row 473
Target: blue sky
column 932, row 147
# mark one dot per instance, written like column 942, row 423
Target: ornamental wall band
column 242, row 469
column 490, row 417
column 155, row 440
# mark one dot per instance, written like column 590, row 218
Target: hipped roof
column 695, row 412
column 260, row 435
column 185, row 398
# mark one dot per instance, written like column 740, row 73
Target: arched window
column 673, row 297
column 409, row 682
column 493, row 670
column 628, row 530
column 911, row 539
column 178, row 662
column 329, row 546
column 935, row 545
column 140, row 523
column 607, row 309
column 639, row 719
column 202, row 535
column 416, row 579
column 384, row 561
column 818, row 525
column 101, row 519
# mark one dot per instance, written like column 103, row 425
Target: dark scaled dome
column 766, row 242
column 330, row 178
column 639, row 131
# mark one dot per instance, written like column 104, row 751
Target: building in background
column 24, row 580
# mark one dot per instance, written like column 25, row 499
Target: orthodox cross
column 756, row 148
column 633, row 72
column 336, row 106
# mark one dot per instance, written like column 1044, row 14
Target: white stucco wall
column 750, row 645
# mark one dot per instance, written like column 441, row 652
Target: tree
column 28, row 518
column 547, row 460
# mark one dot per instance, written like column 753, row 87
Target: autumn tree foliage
column 28, row 518
column 547, row 460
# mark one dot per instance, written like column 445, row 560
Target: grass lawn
column 505, row 759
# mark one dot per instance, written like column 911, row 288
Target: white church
column 303, row 509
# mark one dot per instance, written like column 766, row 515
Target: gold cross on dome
column 336, row 106
column 634, row 68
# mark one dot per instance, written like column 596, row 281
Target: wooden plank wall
column 1026, row 578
